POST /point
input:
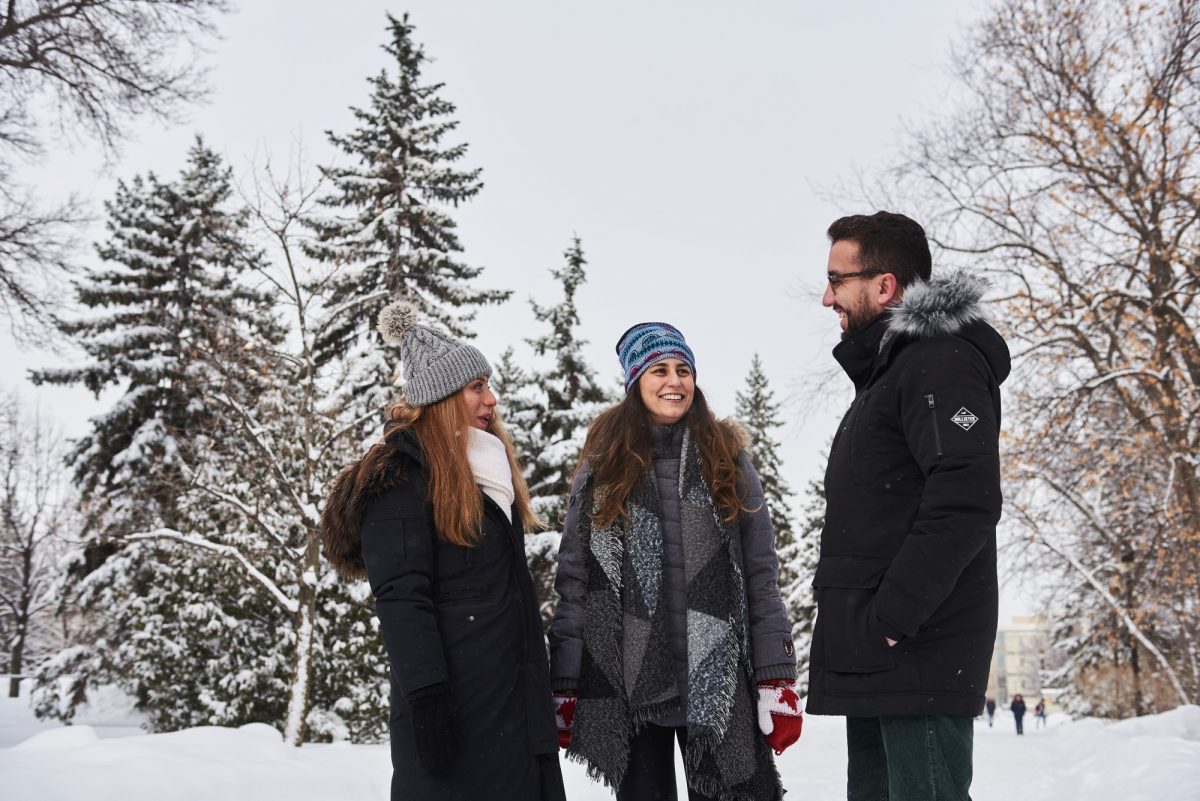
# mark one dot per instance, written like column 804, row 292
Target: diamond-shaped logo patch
column 964, row 419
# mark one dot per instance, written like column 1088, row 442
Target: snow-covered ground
column 103, row 759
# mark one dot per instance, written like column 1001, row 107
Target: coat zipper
column 937, row 435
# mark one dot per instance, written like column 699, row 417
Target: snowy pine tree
column 757, row 410
column 387, row 229
column 519, row 402
column 168, row 303
column 571, row 395
column 172, row 318
column 798, row 562
column 547, row 413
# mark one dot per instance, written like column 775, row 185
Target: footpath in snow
column 1155, row 758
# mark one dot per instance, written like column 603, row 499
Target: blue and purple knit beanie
column 646, row 344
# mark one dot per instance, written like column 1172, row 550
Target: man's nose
column 828, row 299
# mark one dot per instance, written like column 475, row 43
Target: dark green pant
column 909, row 758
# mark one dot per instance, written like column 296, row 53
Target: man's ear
column 889, row 290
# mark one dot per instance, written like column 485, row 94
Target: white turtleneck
column 489, row 463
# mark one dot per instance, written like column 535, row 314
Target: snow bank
column 1155, row 758
column 198, row 764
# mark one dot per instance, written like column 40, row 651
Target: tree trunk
column 296, row 724
column 15, row 663
column 1135, row 670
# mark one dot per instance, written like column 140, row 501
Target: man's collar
column 858, row 352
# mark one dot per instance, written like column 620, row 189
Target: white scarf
column 489, row 463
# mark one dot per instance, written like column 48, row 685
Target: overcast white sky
column 691, row 145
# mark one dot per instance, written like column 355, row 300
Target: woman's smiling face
column 667, row 389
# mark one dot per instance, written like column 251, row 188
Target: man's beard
column 858, row 317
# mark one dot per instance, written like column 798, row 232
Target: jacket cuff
column 898, row 613
column 772, row 648
column 784, row 670
column 557, row 685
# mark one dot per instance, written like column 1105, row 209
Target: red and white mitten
column 779, row 715
column 564, row 717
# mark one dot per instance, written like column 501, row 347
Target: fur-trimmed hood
column 941, row 306
column 381, row 469
column 949, row 305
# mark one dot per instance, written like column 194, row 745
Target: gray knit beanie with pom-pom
column 436, row 365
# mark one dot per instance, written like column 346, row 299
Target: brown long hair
column 441, row 429
column 620, row 450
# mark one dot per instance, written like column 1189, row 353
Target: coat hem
column 894, row 704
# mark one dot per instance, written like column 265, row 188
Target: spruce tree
column 167, row 305
column 519, row 403
column 798, row 565
column 756, row 409
column 548, row 411
column 172, row 318
column 387, row 228
column 571, row 394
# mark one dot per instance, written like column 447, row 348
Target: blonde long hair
column 442, row 429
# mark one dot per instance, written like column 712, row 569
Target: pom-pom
column 396, row 319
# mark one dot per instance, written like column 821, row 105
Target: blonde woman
column 433, row 517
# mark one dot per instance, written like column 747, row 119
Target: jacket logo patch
column 964, row 419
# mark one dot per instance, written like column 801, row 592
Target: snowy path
column 1156, row 758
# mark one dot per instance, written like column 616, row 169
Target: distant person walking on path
column 1039, row 714
column 990, row 706
column 1018, row 709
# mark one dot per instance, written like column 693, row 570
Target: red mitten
column 564, row 717
column 779, row 715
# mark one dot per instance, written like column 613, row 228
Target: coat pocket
column 853, row 640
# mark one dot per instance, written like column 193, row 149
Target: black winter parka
column 908, row 550
column 467, row 617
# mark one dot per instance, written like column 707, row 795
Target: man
column 906, row 584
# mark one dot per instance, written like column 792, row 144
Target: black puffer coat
column 467, row 617
column 913, row 497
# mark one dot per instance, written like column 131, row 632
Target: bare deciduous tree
column 93, row 65
column 1071, row 172
column 34, row 512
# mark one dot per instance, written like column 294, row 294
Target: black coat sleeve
column 950, row 413
column 398, row 549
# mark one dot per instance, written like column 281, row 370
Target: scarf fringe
column 593, row 770
column 651, row 712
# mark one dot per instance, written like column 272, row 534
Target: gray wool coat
column 771, row 651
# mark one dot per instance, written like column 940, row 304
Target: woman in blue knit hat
column 669, row 624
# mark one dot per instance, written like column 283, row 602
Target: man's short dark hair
column 887, row 243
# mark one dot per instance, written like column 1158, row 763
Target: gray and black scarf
column 626, row 678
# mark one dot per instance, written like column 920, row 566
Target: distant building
column 1018, row 661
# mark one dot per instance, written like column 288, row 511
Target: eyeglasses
column 837, row 279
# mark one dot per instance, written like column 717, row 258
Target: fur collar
column 942, row 306
column 353, row 490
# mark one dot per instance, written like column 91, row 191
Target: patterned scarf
column 626, row 678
